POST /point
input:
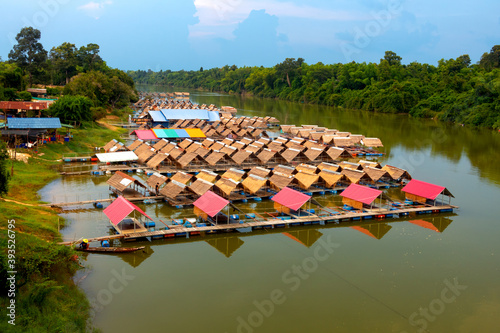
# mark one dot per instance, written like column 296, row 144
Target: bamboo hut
column 372, row 164
column 182, row 177
column 264, row 141
column 238, row 145
column 305, row 179
column 266, row 156
column 122, row 184
column 372, row 142
column 356, row 138
column 332, row 179
column 154, row 180
column 284, row 169
column 175, row 154
column 217, row 146
column 202, row 152
column 185, row 143
column 253, row 184
column 280, row 180
column 345, row 134
column 316, row 154
column 342, row 141
column 229, row 151
column 200, row 187
column 357, row 177
column 117, row 147
column 306, row 168
column 157, row 160
column 146, row 155
column 289, row 201
column 234, row 174
column 254, row 149
column 207, row 175
column 142, row 148
column 174, row 191
column 276, row 146
column 168, row 148
column 228, row 141
column 228, row 188
column 207, row 142
column 350, row 165
column 329, row 166
column 241, row 157
column 397, row 174
column 188, row 159
column 160, row 144
column 135, row 144
column 359, row 197
column 260, row 172
column 420, row 191
column 378, row 175
column 312, row 143
column 216, row 158
column 337, row 153
column 109, row 145
column 193, row 147
column 290, row 154
column 286, row 128
column 247, row 141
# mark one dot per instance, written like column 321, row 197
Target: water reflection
column 305, row 237
column 375, row 230
column 437, row 224
column 226, row 245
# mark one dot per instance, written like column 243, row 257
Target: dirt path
column 19, row 203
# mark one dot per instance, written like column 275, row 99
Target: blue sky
column 189, row 34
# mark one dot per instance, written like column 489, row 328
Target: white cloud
column 94, row 9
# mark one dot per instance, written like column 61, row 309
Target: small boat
column 110, row 249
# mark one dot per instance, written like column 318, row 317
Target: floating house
column 422, row 192
column 119, row 212
column 359, row 197
column 209, row 206
column 289, row 201
column 123, row 185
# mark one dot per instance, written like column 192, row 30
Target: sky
column 189, row 34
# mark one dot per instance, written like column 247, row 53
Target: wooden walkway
column 87, row 202
column 279, row 223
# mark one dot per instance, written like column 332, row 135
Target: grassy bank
column 47, row 300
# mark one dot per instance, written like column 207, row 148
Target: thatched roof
column 343, row 134
column 234, row 174
column 227, row 185
column 264, row 141
column 238, row 145
column 372, row 142
column 332, row 178
column 121, row 181
column 315, row 144
column 313, row 153
column 336, row 153
column 202, row 152
column 316, row 135
column 377, row 174
column 253, row 148
column 350, row 165
column 182, row 177
column 280, row 180
column 146, row 155
column 253, row 184
column 200, row 187
column 356, row 138
column 142, row 148
column 342, row 141
column 135, row 145
column 173, row 189
column 193, row 147
column 157, row 160
column 110, row 145
column 265, row 155
column 168, row 148
column 160, row 144
column 175, row 153
column 276, row 146
column 217, row 145
column 306, row 168
column 286, row 128
column 207, row 175
column 117, row 147
column 228, row 150
column 247, row 141
column 241, row 156
column 306, row 180
column 284, row 169
column 215, row 157
column 397, row 173
column 329, row 166
column 186, row 159
column 355, row 176
column 208, row 142
column 228, row 141
column 185, row 143
column 156, row 178
column 260, row 172
column 290, row 154
column 372, row 164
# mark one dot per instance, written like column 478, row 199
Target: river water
column 438, row 275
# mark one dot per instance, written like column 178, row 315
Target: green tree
column 72, row 109
column 288, row 69
column 64, row 60
column 392, row 58
column 88, row 57
column 28, row 53
column 4, row 172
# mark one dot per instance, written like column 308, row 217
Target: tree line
column 454, row 90
column 89, row 86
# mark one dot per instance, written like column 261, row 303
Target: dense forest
column 455, row 90
column 90, row 87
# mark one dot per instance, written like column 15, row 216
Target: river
column 440, row 275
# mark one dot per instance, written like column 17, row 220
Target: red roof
column 145, row 134
column 120, row 209
column 211, row 203
column 425, row 224
column 363, row 230
column 291, row 198
column 423, row 189
column 361, row 193
column 12, row 105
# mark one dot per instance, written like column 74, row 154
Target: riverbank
column 46, row 297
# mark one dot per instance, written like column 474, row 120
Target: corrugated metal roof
column 360, row 193
column 291, row 198
column 14, row 105
column 176, row 114
column 157, row 116
column 24, row 123
column 120, row 209
column 122, row 156
column 426, row 190
column 145, row 134
column 211, row 203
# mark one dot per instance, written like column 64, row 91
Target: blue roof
column 24, row 123
column 213, row 116
column 176, row 114
column 157, row 116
